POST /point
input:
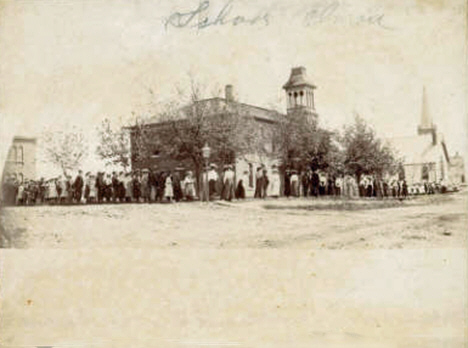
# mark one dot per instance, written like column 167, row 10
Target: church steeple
column 300, row 93
column 426, row 126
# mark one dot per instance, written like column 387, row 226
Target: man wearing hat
column 78, row 186
column 259, row 184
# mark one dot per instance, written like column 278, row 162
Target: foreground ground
column 438, row 221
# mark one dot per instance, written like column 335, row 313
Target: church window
column 442, row 172
column 425, row 172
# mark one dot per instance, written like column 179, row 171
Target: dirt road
column 423, row 222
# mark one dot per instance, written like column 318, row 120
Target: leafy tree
column 364, row 153
column 65, row 149
column 303, row 145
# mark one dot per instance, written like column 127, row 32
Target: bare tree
column 186, row 129
column 114, row 145
column 65, row 149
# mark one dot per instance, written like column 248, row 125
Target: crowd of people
column 147, row 186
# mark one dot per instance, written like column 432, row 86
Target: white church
column 425, row 156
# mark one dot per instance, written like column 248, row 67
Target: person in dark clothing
column 78, row 186
column 322, row 188
column 331, row 187
column 385, row 188
column 259, row 183
column 375, row 188
column 153, row 180
column 107, row 183
column 315, row 183
column 136, row 187
column 161, row 178
column 404, row 189
column 287, row 183
column 177, row 188
column 121, row 187
column 305, row 183
column 240, row 189
column 86, row 185
column 42, row 189
column 115, row 187
column 266, row 182
column 369, row 189
column 100, row 187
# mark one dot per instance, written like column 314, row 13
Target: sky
column 72, row 63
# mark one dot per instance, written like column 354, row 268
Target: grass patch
column 339, row 205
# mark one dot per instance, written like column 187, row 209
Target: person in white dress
column 52, row 188
column 338, row 186
column 189, row 186
column 168, row 189
column 92, row 189
column 274, row 187
column 294, row 184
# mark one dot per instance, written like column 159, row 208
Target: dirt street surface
column 438, row 221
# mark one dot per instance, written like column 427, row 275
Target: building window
column 12, row 154
column 20, row 155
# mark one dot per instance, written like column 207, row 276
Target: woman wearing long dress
column 274, row 187
column 294, row 184
column 128, row 183
column 168, row 189
column 189, row 186
column 52, row 191
column 92, row 189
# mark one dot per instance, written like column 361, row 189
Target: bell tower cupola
column 300, row 93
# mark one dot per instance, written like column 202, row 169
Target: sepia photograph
column 295, row 171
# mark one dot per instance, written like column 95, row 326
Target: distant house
column 21, row 160
column 262, row 121
column 425, row 156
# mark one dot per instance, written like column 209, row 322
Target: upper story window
column 20, row 155
column 12, row 154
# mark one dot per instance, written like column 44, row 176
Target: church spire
column 426, row 120
column 426, row 126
